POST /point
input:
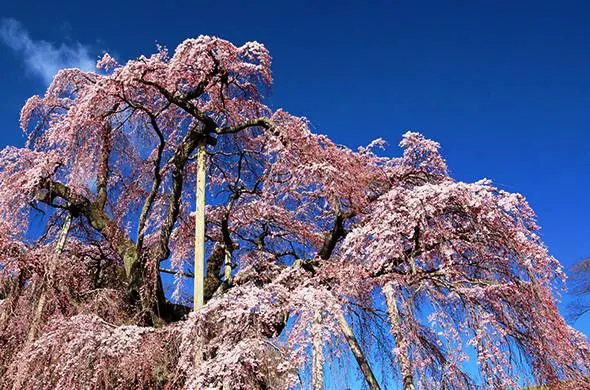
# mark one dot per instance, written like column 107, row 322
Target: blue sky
column 504, row 86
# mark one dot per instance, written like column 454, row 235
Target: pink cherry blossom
column 313, row 248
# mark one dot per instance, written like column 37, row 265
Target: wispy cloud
column 44, row 58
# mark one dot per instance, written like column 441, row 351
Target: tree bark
column 400, row 341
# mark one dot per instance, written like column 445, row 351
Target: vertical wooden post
column 63, row 236
column 199, row 279
column 317, row 365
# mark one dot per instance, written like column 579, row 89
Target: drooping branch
column 149, row 201
column 59, row 247
column 178, row 161
column 358, row 352
column 228, row 243
column 330, row 241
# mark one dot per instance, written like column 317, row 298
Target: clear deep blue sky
column 504, row 86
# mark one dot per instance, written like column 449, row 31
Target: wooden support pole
column 199, row 280
column 398, row 334
column 317, row 370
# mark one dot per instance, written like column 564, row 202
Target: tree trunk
column 317, row 365
column 200, row 230
column 358, row 353
column 400, row 340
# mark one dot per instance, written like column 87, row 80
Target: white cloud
column 44, row 58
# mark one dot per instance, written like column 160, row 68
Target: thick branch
column 179, row 160
column 80, row 205
column 182, row 102
column 175, row 272
column 149, row 201
column 332, row 237
column 262, row 122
